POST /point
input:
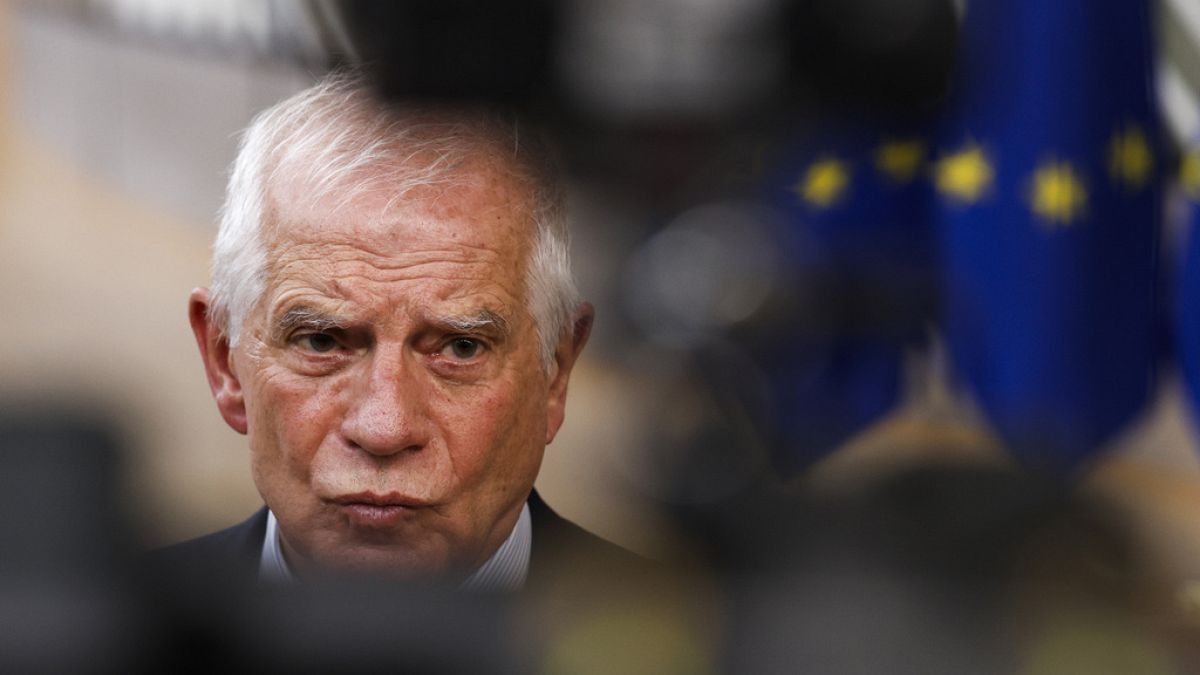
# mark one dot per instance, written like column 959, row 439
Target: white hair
column 337, row 140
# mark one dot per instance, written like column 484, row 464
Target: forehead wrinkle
column 391, row 292
column 479, row 199
column 386, row 248
column 483, row 298
column 314, row 299
column 351, row 277
column 327, row 252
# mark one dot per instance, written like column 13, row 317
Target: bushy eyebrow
column 484, row 319
column 304, row 317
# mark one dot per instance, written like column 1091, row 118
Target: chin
column 403, row 564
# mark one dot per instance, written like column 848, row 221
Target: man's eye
column 463, row 349
column 317, row 342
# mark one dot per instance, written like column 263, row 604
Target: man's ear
column 570, row 344
column 215, row 352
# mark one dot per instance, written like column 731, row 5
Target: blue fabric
column 1187, row 307
column 1049, row 294
column 859, row 252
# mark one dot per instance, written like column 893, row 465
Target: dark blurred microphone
column 638, row 59
column 63, row 544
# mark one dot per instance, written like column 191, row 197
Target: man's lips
column 374, row 499
column 368, row 509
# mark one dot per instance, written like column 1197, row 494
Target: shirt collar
column 505, row 571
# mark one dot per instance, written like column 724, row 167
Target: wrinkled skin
column 393, row 355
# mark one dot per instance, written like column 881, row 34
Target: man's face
column 393, row 395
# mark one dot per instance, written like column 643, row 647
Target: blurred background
column 828, row 242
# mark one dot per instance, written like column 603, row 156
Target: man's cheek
column 296, row 413
column 499, row 428
column 487, row 409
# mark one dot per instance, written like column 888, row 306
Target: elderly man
column 392, row 323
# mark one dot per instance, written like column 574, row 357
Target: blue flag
column 860, row 254
column 1048, row 209
column 1187, row 287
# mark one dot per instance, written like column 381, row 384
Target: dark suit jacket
column 211, row 614
column 232, row 556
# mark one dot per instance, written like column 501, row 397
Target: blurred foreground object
column 940, row 568
column 65, row 605
column 652, row 94
column 668, row 61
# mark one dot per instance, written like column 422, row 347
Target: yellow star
column 1189, row 173
column 824, row 182
column 1130, row 161
column 900, row 160
column 1057, row 194
column 964, row 175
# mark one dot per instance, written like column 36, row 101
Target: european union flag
column 1048, row 201
column 1187, row 288
column 860, row 253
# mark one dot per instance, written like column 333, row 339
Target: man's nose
column 387, row 412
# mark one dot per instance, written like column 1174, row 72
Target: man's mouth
column 368, row 509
